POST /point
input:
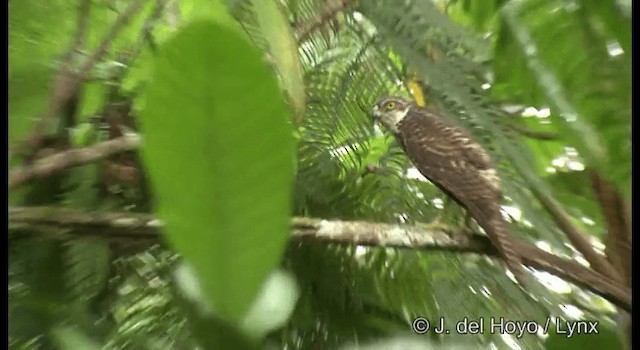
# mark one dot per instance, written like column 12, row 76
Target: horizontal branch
column 144, row 226
column 73, row 157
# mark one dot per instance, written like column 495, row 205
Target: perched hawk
column 447, row 155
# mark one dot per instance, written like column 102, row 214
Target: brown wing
column 448, row 156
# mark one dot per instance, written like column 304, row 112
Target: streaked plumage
column 448, row 156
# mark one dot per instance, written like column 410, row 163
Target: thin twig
column 563, row 220
column 614, row 210
column 147, row 27
column 144, row 226
column 577, row 238
column 84, row 15
column 67, row 81
column 304, row 29
column 71, row 158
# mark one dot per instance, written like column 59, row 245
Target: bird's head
column 389, row 111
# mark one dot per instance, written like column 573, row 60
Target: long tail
column 490, row 219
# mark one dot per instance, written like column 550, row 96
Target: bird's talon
column 437, row 225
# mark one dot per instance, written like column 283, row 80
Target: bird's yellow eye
column 389, row 105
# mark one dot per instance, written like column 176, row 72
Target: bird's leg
column 440, row 223
column 446, row 221
column 467, row 222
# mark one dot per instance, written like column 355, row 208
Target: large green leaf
column 219, row 151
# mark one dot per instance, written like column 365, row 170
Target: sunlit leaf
column 273, row 306
column 219, row 151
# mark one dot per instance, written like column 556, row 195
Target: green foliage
column 93, row 99
column 583, row 74
column 604, row 338
column 55, row 283
column 219, row 152
column 142, row 305
column 87, row 269
column 34, row 51
column 69, row 338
